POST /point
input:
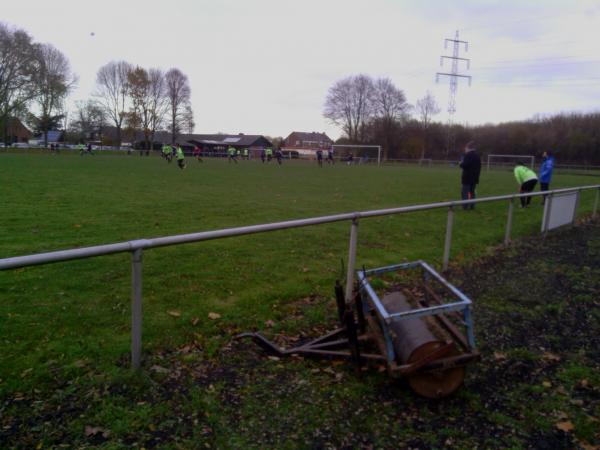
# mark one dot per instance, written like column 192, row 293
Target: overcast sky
column 264, row 66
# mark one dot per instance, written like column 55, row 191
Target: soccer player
column 263, row 155
column 320, row 157
column 279, row 156
column 197, row 153
column 246, row 154
column 330, row 156
column 269, row 152
column 232, row 155
column 527, row 180
column 180, row 157
column 166, row 152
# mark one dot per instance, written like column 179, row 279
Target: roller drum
column 413, row 340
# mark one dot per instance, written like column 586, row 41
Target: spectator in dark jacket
column 471, row 167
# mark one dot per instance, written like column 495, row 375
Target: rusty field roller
column 414, row 341
column 414, row 330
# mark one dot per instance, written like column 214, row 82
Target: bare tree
column 54, row 80
column 112, row 90
column 147, row 90
column 389, row 102
column 17, row 70
column 158, row 101
column 349, row 105
column 178, row 95
column 139, row 115
column 427, row 107
column 188, row 123
column 390, row 109
column 89, row 119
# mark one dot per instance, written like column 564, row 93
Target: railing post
column 448, row 238
column 595, row 210
column 511, row 207
column 136, row 308
column 351, row 259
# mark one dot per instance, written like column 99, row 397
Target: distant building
column 54, row 136
column 218, row 143
column 208, row 143
column 306, row 143
column 14, row 131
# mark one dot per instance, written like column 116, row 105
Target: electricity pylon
column 454, row 76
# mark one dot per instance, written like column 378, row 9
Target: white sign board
column 559, row 210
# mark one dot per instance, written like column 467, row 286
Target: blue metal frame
column 385, row 318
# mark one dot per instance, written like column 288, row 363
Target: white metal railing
column 136, row 247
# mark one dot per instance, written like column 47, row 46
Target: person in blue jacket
column 546, row 172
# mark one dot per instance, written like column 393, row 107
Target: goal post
column 355, row 149
column 529, row 158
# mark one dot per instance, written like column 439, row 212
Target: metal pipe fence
column 137, row 247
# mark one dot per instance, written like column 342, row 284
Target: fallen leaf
column 195, row 321
column 550, row 356
column 159, row 369
column 269, row 324
column 565, row 426
column 174, row 313
column 546, row 384
column 92, row 431
column 583, row 383
column 214, row 316
column 499, row 356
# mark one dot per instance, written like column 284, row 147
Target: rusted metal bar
column 340, row 302
column 352, row 337
column 360, row 313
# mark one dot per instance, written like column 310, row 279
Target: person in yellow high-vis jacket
column 527, row 180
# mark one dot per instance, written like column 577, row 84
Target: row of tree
column 36, row 79
column 132, row 98
column 375, row 112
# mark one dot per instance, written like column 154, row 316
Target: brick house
column 14, row 131
column 306, row 143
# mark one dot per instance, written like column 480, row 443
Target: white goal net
column 357, row 154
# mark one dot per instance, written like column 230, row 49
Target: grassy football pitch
column 65, row 327
column 67, row 312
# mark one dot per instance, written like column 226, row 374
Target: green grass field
column 73, row 318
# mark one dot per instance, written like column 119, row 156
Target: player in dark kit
column 279, row 156
column 320, row 157
column 197, row 153
column 330, row 156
